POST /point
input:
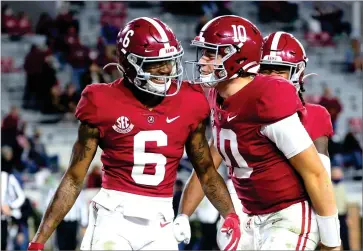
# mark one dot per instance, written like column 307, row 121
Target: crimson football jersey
column 264, row 179
column 141, row 148
column 316, row 121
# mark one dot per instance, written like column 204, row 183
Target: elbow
column 318, row 174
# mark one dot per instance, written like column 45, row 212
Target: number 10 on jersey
column 241, row 170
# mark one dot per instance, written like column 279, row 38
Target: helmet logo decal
column 169, row 50
column 126, row 41
column 239, row 33
column 273, row 58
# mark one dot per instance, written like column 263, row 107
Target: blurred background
column 51, row 50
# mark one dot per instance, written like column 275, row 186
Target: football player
column 142, row 123
column 285, row 191
column 283, row 55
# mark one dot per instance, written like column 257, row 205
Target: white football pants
column 124, row 221
column 293, row 228
column 112, row 230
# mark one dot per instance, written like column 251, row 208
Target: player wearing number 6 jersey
column 142, row 123
column 276, row 171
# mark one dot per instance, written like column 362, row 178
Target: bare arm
column 84, row 149
column 298, row 148
column 316, row 180
column 210, row 181
column 319, row 187
column 217, row 158
column 193, row 193
column 321, row 145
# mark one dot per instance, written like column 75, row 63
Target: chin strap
column 157, row 87
column 209, row 80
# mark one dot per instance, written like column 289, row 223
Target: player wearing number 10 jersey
column 283, row 55
column 276, row 171
column 142, row 123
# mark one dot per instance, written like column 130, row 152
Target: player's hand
column 181, row 228
column 35, row 246
column 229, row 235
column 6, row 210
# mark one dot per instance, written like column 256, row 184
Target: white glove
column 181, row 228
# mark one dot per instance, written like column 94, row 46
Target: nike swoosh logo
column 171, row 120
column 149, row 50
column 229, row 119
column 164, row 224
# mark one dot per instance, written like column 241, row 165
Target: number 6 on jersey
column 141, row 158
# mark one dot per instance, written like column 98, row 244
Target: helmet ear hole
column 137, row 82
column 222, row 74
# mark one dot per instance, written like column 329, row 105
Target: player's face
column 162, row 68
column 275, row 71
column 208, row 60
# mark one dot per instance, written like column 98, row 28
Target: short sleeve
column 86, row 110
column 289, row 135
column 323, row 123
column 278, row 101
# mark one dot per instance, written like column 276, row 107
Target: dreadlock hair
column 301, row 90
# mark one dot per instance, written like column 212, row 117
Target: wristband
column 329, row 229
column 35, row 246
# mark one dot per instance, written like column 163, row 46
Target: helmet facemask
column 219, row 72
column 154, row 83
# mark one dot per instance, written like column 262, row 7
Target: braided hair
column 301, row 90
